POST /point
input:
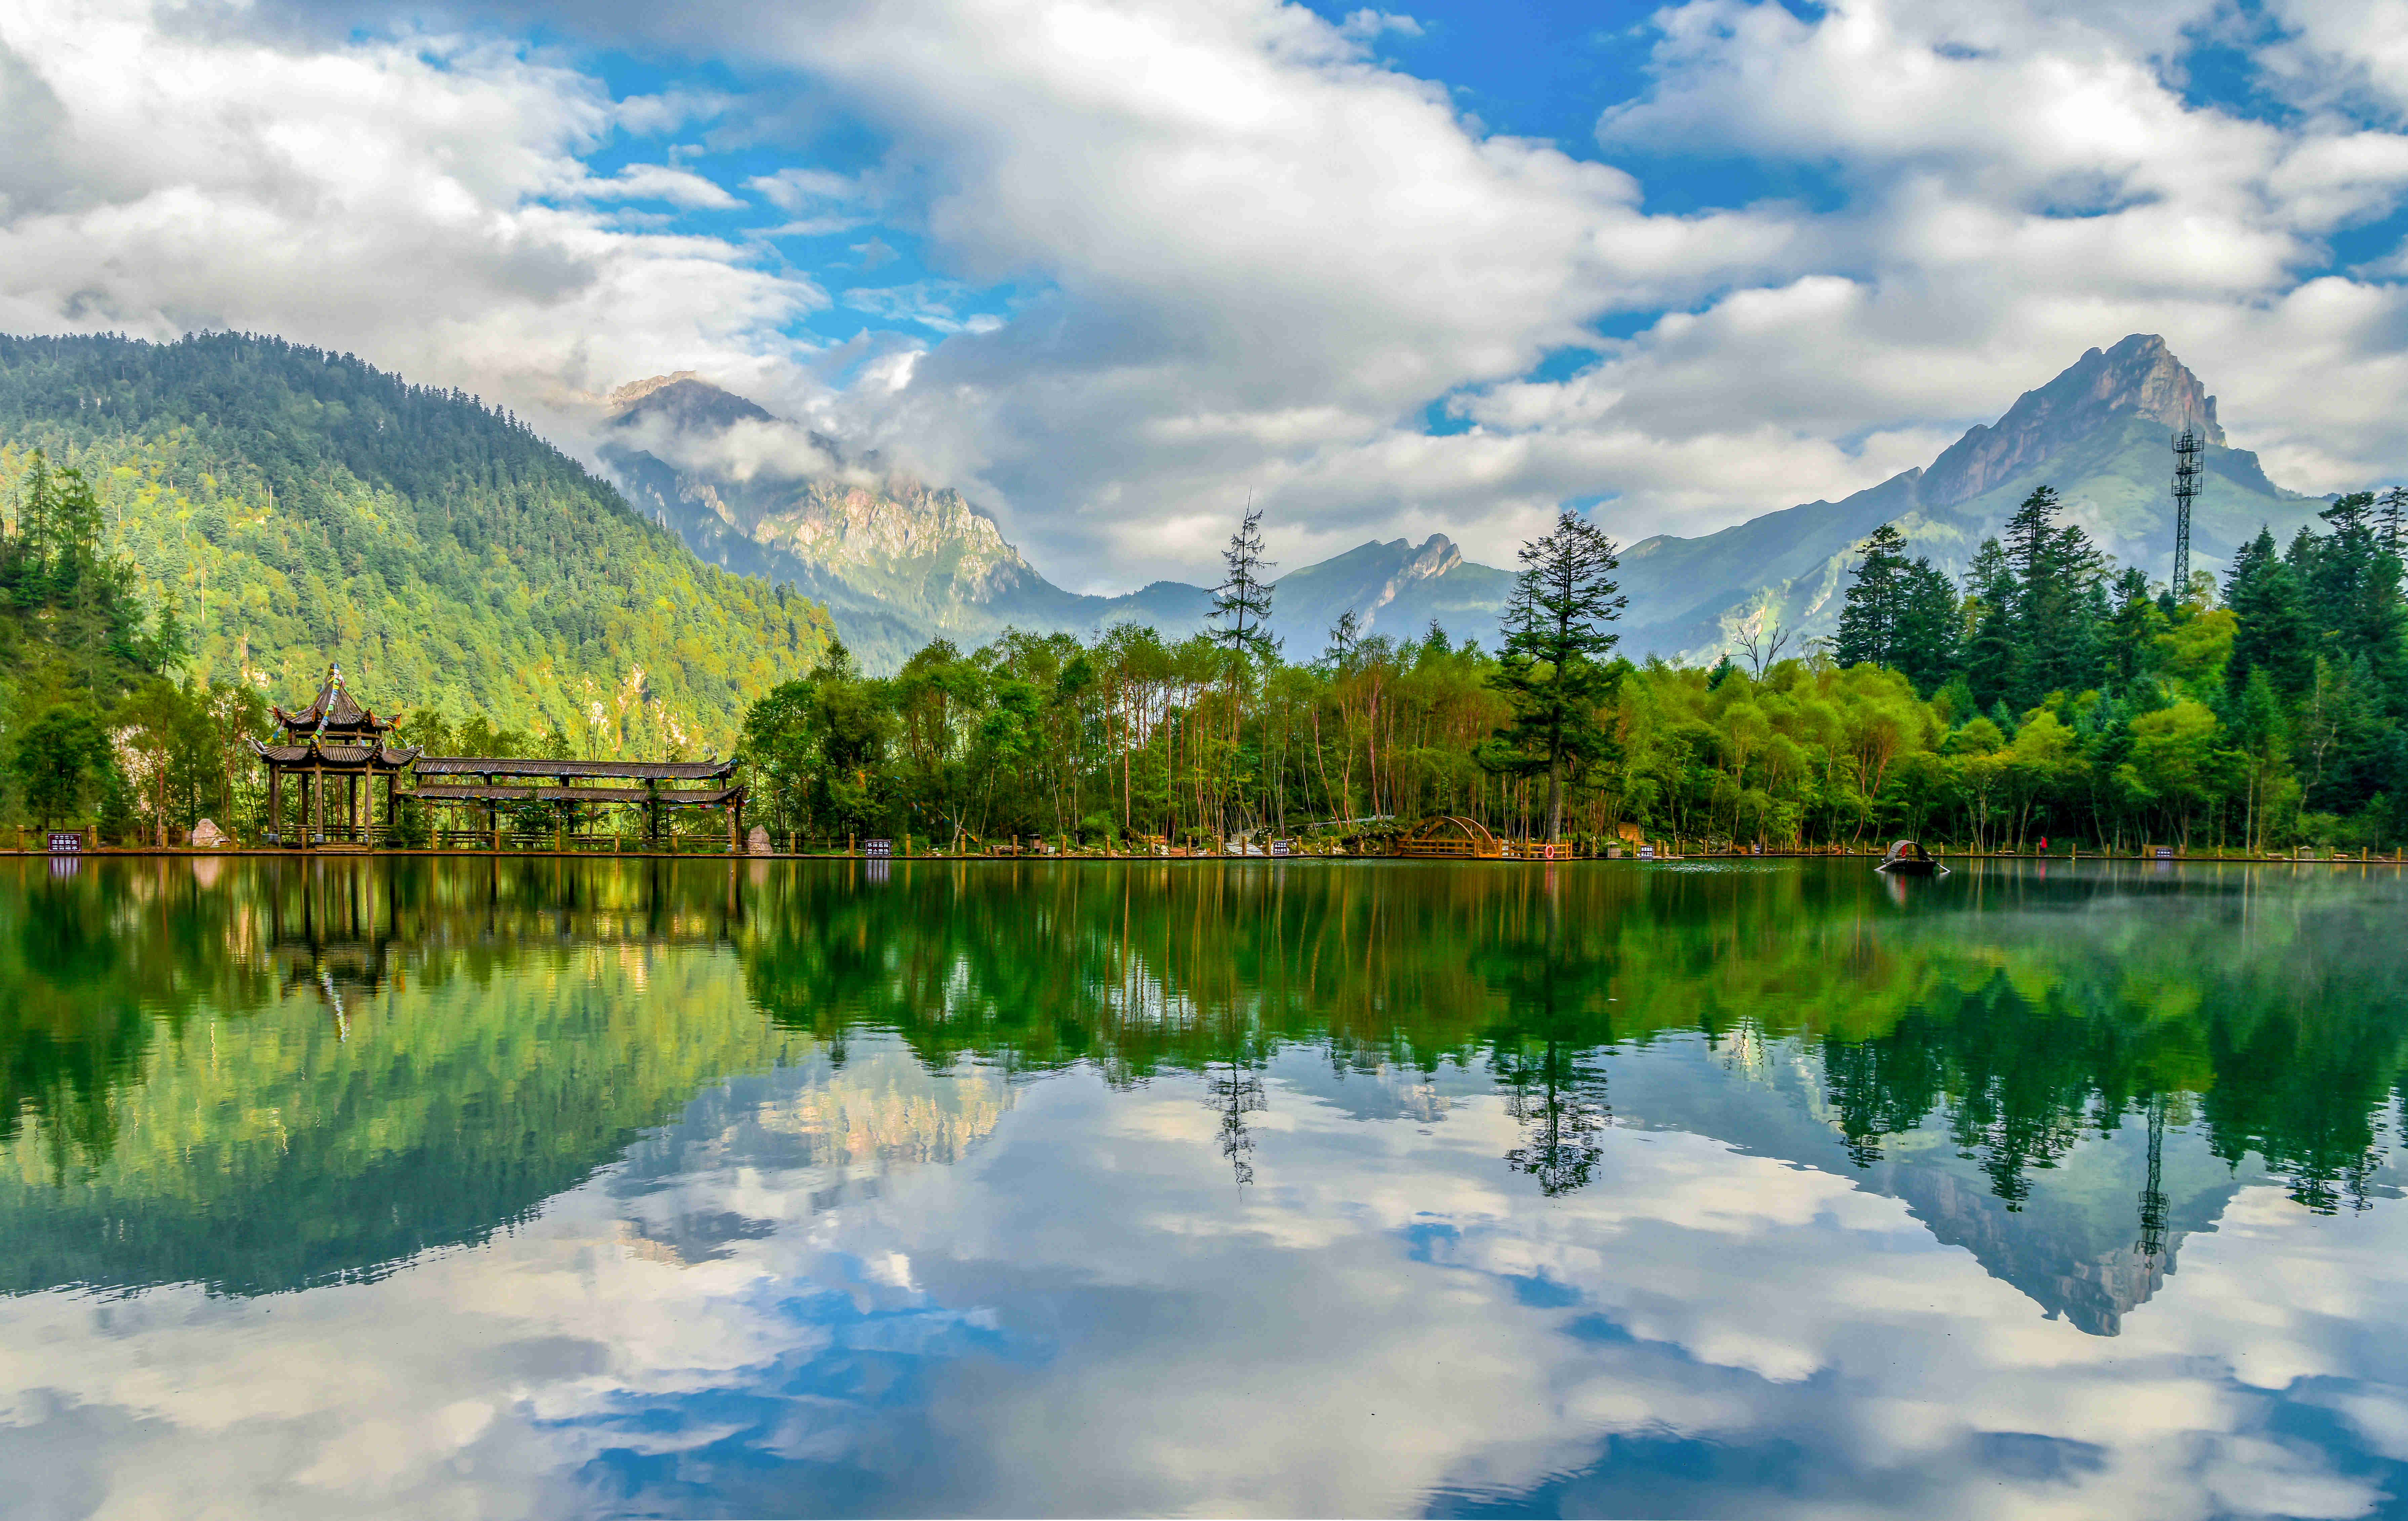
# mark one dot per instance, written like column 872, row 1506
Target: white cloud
column 741, row 451
column 820, row 202
column 1257, row 256
column 1366, row 25
column 658, row 182
column 392, row 197
column 1246, row 255
column 649, row 116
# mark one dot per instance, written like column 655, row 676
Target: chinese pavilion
column 337, row 738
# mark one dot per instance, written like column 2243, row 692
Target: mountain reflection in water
column 553, row 1187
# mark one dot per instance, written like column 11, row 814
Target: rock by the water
column 205, row 834
column 757, row 842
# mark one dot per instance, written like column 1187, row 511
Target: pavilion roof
column 317, row 752
column 332, row 712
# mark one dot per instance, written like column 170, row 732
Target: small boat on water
column 1908, row 859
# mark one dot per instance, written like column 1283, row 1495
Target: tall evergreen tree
column 2352, row 585
column 1871, row 609
column 2133, row 623
column 1994, row 650
column 1242, row 607
column 1242, row 604
column 2271, row 624
column 2056, row 600
column 1929, row 625
column 1552, row 670
column 2391, row 521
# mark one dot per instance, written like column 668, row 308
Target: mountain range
column 298, row 506
column 899, row 562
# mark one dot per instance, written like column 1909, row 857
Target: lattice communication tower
column 2187, row 445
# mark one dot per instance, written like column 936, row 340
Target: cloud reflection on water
column 1079, row 1313
column 896, row 1252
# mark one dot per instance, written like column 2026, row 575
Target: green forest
column 194, row 529
column 290, row 507
column 2051, row 696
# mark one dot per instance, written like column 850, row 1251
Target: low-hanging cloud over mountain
column 1107, row 268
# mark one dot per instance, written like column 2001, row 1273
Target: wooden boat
column 1908, row 859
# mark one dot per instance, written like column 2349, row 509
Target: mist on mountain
column 900, row 562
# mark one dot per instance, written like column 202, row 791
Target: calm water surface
column 545, row 1189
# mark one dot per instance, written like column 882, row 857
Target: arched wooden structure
column 1449, row 836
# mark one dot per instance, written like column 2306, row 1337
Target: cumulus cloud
column 411, row 199
column 1243, row 253
column 659, row 182
column 1259, row 257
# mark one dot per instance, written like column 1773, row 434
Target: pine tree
column 2272, row 633
column 2133, row 624
column 2391, row 521
column 1241, row 603
column 1870, row 612
column 1552, row 669
column 2054, row 599
column 1994, row 655
column 1929, row 626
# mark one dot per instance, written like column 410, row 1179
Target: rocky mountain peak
column 683, row 400
column 1435, row 557
column 2139, row 377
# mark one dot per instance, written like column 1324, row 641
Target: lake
column 551, row 1188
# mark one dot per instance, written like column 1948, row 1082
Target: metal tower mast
column 2187, row 445
column 2152, row 1243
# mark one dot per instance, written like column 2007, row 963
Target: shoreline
column 355, row 852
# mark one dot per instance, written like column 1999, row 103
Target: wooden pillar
column 351, row 803
column 276, row 802
column 316, row 826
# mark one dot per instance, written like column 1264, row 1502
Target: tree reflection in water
column 2017, row 1018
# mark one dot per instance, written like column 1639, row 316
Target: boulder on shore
column 207, row 836
column 757, row 841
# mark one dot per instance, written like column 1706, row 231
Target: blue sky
column 1109, row 268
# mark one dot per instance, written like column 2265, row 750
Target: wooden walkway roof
column 600, row 770
column 450, row 793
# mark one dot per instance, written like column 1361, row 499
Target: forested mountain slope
column 298, row 506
